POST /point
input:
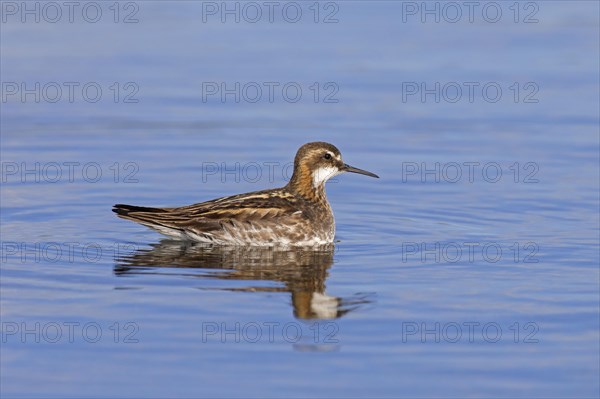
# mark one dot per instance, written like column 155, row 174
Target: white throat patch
column 321, row 175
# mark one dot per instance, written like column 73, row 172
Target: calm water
column 469, row 269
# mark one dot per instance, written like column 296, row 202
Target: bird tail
column 129, row 210
column 159, row 219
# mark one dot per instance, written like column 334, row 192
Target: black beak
column 348, row 168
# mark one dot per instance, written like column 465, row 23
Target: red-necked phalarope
column 297, row 214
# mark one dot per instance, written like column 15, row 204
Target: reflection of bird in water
column 302, row 271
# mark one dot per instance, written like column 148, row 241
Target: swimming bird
column 297, row 214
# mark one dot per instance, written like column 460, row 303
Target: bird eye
column 327, row 155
